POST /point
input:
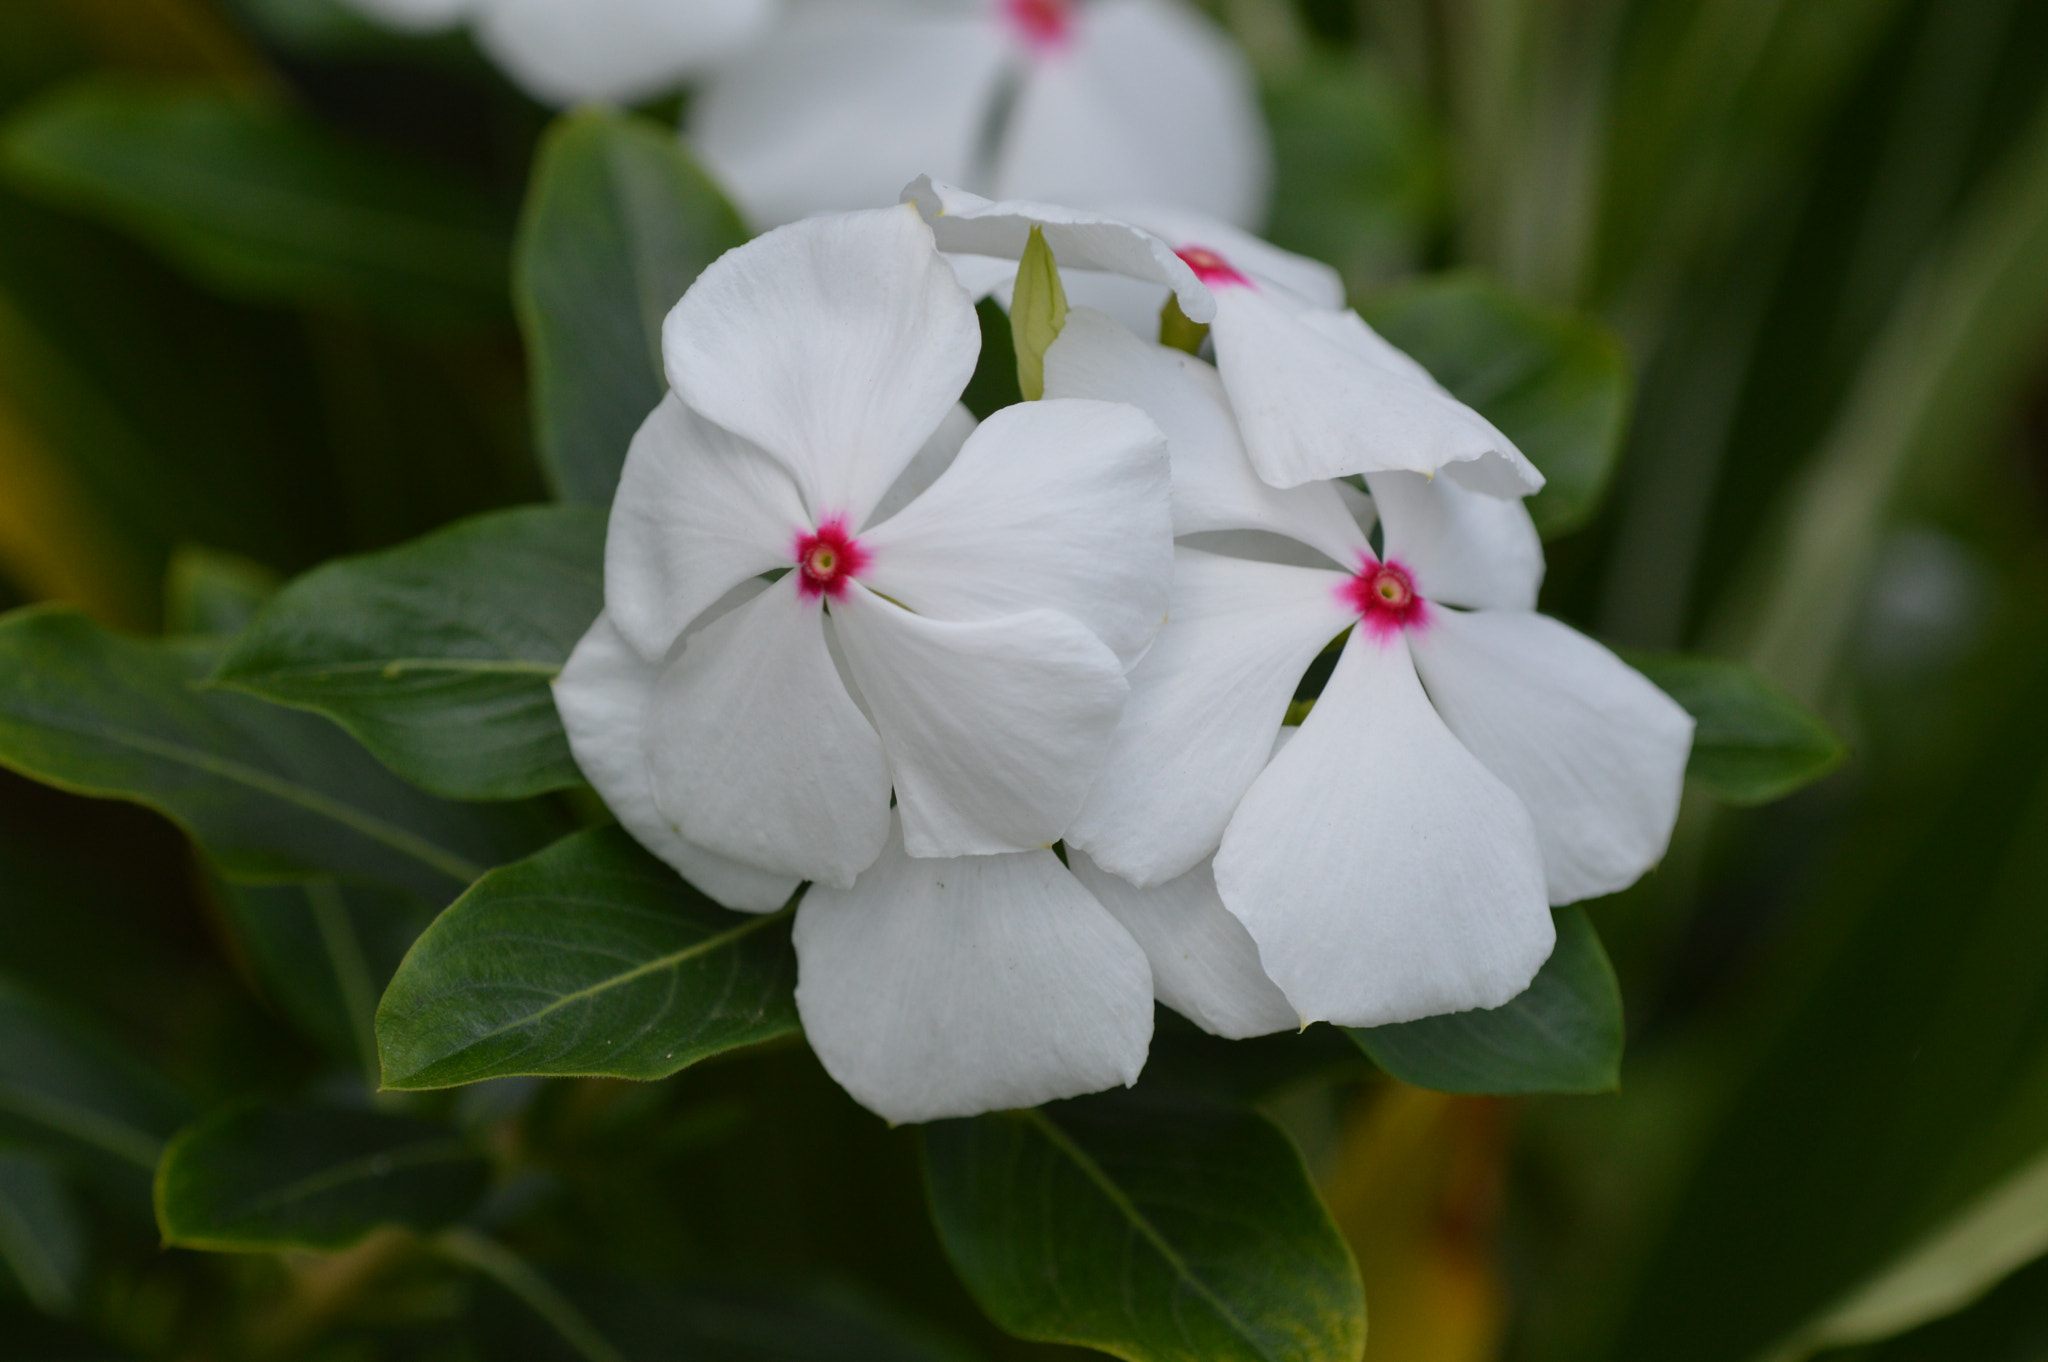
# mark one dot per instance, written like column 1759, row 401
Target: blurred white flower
column 1399, row 858
column 1069, row 101
column 968, row 650
column 1317, row 392
column 565, row 51
column 936, row 988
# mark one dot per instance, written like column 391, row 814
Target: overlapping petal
column 1214, row 487
column 757, row 751
column 1062, row 505
column 994, row 729
column 1205, row 705
column 698, row 511
column 1464, row 547
column 603, row 695
column 838, row 107
column 937, row 988
column 619, row 50
column 1594, row 750
column 1205, row 966
column 1309, row 282
column 1384, row 872
column 838, row 345
column 1148, row 102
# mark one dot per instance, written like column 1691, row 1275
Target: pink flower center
column 1384, row 596
column 1211, row 268
column 827, row 559
column 1042, row 24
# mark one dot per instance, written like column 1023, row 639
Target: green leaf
column 1557, row 384
column 70, row 1093
column 42, row 1239
column 208, row 592
column 1754, row 743
column 1563, row 1034
column 618, row 224
column 272, row 794
column 267, row 204
column 438, row 654
column 1038, row 310
column 994, row 385
column 591, row 958
column 259, row 1178
column 324, row 952
column 1157, row 1228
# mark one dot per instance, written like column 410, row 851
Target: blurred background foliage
column 1819, row 231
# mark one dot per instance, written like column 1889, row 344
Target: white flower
column 1399, row 858
column 968, row 650
column 937, row 988
column 565, row 51
column 1072, row 101
column 1317, row 392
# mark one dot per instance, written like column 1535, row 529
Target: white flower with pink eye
column 1468, row 764
column 1069, row 101
column 1317, row 392
column 566, row 51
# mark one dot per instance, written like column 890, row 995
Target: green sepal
column 1038, row 311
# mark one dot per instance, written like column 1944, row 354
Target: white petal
column 415, row 16
column 698, row 511
column 1214, row 487
column 994, row 729
column 1205, row 965
column 1081, row 240
column 1311, row 282
column 1594, row 750
column 1464, row 547
column 924, row 470
column 759, row 753
column 938, row 988
column 602, row 694
column 983, row 275
column 837, row 345
column 1385, row 873
column 1313, row 406
column 838, row 108
column 618, row 50
column 1150, row 103
column 1205, row 704
column 1060, row 505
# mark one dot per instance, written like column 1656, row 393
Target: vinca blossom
column 1468, row 764
column 1071, row 101
column 1317, row 392
column 824, row 585
column 565, row 51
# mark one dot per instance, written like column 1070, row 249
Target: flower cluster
column 1033, row 705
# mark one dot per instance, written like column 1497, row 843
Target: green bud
column 1177, row 331
column 1037, row 313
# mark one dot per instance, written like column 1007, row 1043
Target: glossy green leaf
column 1754, row 743
column 1556, row 384
column 591, row 958
column 438, row 654
column 1563, row 1034
column 68, row 1092
column 260, row 1178
column 42, row 1237
column 1154, row 1227
column 619, row 222
column 267, row 204
column 272, row 794
column 323, row 951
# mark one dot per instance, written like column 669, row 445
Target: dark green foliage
column 438, row 655
column 619, row 223
column 260, row 1178
column 1754, row 743
column 590, row 958
column 1563, row 1034
column 1156, row 1228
